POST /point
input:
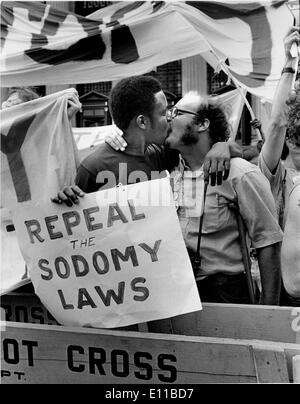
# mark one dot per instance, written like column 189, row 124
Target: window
column 94, row 110
column 100, row 87
column 170, row 77
column 215, row 81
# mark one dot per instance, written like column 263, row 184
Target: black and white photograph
column 150, row 195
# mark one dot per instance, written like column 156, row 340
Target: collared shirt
column 220, row 248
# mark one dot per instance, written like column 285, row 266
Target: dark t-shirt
column 106, row 167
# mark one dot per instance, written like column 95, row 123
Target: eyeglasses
column 173, row 112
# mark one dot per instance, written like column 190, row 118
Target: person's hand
column 115, row 139
column 68, row 195
column 217, row 163
column 74, row 105
column 256, row 124
column 293, row 36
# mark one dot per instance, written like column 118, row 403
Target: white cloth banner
column 38, row 157
column 38, row 152
column 43, row 45
column 233, row 104
column 116, row 259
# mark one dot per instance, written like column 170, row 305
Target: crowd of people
column 189, row 141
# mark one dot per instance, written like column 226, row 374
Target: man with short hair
column 197, row 124
column 138, row 106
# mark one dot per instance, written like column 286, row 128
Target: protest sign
column 116, row 259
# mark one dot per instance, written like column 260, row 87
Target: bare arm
column 290, row 254
column 269, row 267
column 275, row 134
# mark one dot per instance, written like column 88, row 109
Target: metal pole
column 244, row 249
column 197, row 258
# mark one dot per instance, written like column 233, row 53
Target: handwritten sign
column 115, row 259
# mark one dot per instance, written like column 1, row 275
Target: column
column 194, row 74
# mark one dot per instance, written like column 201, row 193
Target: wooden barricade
column 27, row 308
column 34, row 353
column 220, row 344
column 269, row 323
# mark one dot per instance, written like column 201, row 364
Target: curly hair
column 218, row 127
column 24, row 93
column 293, row 115
column 131, row 97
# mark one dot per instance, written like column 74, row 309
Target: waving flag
column 43, row 45
column 38, row 157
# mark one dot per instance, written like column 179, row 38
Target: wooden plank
column 271, row 365
column 34, row 353
column 27, row 308
column 270, row 323
column 291, row 350
column 296, row 369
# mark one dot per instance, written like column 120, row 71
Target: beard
column 166, row 142
column 189, row 137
